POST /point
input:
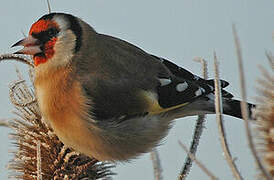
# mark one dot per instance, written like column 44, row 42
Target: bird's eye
column 52, row 32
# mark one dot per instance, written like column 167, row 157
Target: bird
column 107, row 98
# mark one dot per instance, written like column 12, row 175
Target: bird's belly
column 66, row 112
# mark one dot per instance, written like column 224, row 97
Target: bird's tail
column 206, row 105
column 232, row 107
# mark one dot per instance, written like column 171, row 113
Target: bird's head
column 54, row 38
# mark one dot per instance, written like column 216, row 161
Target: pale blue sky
column 177, row 30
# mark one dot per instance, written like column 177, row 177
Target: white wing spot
column 198, row 92
column 165, row 82
column 203, row 90
column 211, row 96
column 181, row 87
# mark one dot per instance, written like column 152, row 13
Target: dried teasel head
column 39, row 154
column 265, row 116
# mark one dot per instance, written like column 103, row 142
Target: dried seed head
column 264, row 114
column 39, row 153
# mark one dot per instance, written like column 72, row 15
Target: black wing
column 183, row 87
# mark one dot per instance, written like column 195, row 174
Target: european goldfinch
column 107, row 98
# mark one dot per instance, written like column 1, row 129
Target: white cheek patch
column 181, row 87
column 63, row 49
column 60, row 20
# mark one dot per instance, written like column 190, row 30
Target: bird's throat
column 39, row 60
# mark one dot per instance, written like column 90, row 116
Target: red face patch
column 48, row 50
column 37, row 27
column 42, row 25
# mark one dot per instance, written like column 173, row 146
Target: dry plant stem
column 219, row 118
column 38, row 164
column 193, row 148
column 12, row 95
column 270, row 58
column 193, row 158
column 198, row 130
column 49, row 9
column 244, row 106
column 204, row 66
column 156, row 164
column 4, row 123
column 23, row 33
column 21, row 58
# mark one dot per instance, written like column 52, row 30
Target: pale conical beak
column 31, row 46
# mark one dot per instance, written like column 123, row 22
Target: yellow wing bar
column 153, row 106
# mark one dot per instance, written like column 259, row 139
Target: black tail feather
column 211, row 82
column 233, row 108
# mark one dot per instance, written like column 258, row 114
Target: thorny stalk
column 204, row 66
column 219, row 118
column 38, row 164
column 244, row 105
column 198, row 129
column 49, row 8
column 270, row 58
column 154, row 155
column 200, row 164
column 14, row 100
column 4, row 123
column 17, row 57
